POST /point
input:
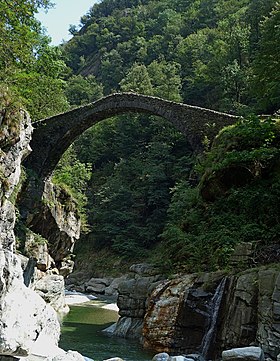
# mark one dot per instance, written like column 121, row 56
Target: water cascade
column 214, row 308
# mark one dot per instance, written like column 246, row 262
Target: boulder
column 38, row 250
column 66, row 267
column 178, row 313
column 244, row 353
column 97, row 285
column 144, row 269
column 24, row 314
column 163, row 356
column 112, row 289
column 67, row 356
column 51, row 288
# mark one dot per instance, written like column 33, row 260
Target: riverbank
column 76, row 298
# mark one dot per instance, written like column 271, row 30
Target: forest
column 141, row 192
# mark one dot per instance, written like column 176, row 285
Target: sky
column 65, row 13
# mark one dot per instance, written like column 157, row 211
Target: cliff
column 24, row 316
column 203, row 313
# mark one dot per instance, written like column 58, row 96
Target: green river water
column 81, row 331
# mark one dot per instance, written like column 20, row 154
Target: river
column 81, row 331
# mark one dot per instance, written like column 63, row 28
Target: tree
column 18, row 33
column 82, row 90
column 166, row 79
column 266, row 66
column 137, row 80
column 112, row 71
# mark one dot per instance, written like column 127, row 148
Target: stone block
column 244, row 353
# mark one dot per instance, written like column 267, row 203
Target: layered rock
column 244, row 353
column 56, row 219
column 23, row 314
column 54, row 227
column 182, row 313
column 252, row 314
column 14, row 146
column 132, row 300
column 51, row 288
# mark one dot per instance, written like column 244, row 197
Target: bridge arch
column 52, row 136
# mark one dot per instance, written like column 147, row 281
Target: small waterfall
column 214, row 313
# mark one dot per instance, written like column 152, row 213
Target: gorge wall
column 204, row 313
column 24, row 316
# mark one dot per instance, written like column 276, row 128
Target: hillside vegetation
column 142, row 193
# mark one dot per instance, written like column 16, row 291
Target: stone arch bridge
column 46, row 209
column 52, row 136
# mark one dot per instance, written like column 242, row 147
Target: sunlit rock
column 23, row 314
column 244, row 353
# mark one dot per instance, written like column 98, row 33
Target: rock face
column 51, row 288
column 56, row 219
column 182, row 313
column 54, row 227
column 253, row 311
column 12, row 152
column 132, row 300
column 23, row 314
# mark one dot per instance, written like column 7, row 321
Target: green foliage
column 203, row 52
column 80, row 90
column 10, row 116
column 266, row 65
column 73, row 175
column 206, row 232
column 18, row 33
column 249, row 142
column 137, row 80
column 41, row 95
column 28, row 65
column 135, row 161
column 166, row 80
